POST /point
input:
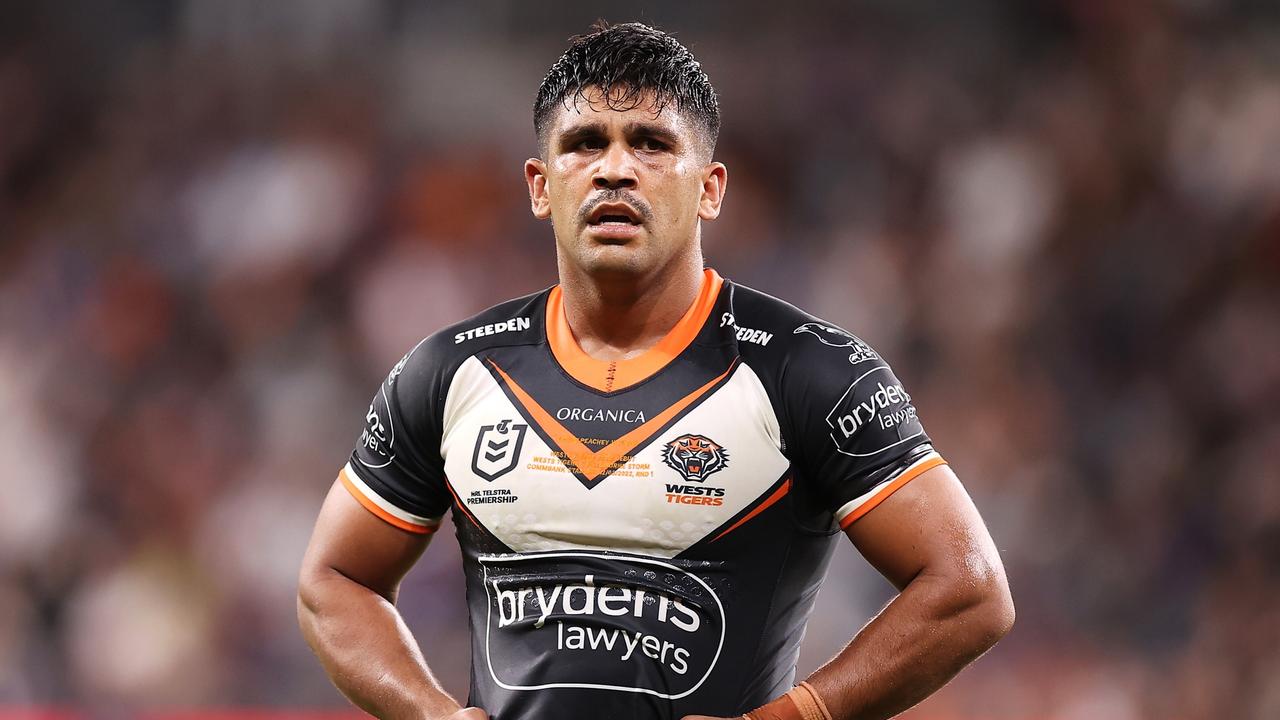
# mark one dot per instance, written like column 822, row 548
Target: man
column 646, row 465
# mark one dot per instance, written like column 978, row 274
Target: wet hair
column 626, row 63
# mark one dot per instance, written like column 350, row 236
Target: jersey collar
column 614, row 375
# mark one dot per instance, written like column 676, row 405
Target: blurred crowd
column 222, row 222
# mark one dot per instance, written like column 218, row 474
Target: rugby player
column 647, row 465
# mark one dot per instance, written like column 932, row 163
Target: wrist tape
column 800, row 703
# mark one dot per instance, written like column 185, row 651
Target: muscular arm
column 346, row 607
column 954, row 604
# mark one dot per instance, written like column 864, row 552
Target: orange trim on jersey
column 893, row 487
column 372, row 507
column 775, row 497
column 593, row 464
column 611, row 375
column 461, row 507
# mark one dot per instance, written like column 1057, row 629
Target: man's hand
column 469, row 713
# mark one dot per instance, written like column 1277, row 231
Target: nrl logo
column 695, row 457
column 497, row 449
column 835, row 337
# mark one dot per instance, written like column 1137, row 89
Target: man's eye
column 590, row 144
column 651, row 145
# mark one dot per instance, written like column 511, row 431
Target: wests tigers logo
column 695, row 456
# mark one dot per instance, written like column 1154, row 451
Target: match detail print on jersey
column 592, row 466
column 639, row 537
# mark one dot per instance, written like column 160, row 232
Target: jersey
column 641, row 538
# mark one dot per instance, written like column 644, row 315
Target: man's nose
column 616, row 169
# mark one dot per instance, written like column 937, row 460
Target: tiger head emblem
column 695, row 457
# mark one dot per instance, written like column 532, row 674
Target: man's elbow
column 975, row 595
column 308, row 601
column 993, row 612
column 315, row 594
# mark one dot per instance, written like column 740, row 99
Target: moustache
column 615, row 195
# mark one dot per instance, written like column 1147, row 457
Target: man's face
column 624, row 189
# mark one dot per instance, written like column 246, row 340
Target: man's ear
column 535, row 174
column 715, row 179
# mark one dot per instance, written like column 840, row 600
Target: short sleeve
column 856, row 435
column 396, row 471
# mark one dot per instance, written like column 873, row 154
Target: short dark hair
column 625, row 62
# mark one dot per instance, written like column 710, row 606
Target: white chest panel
column 517, row 487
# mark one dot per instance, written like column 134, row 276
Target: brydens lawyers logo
column 576, row 619
column 873, row 415
column 497, row 449
column 695, row 457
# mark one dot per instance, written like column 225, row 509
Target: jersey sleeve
column 855, row 430
column 396, row 471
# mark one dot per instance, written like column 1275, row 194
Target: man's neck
column 618, row 317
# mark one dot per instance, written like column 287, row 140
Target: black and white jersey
column 642, row 538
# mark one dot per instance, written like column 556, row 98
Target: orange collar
column 613, row 375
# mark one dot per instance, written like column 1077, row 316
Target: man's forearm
column 367, row 650
column 915, row 645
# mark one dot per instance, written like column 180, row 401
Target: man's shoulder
column 774, row 331
column 519, row 321
column 835, row 393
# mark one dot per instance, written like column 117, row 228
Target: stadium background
column 222, row 222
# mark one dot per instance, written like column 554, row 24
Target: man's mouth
column 613, row 220
column 614, row 214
